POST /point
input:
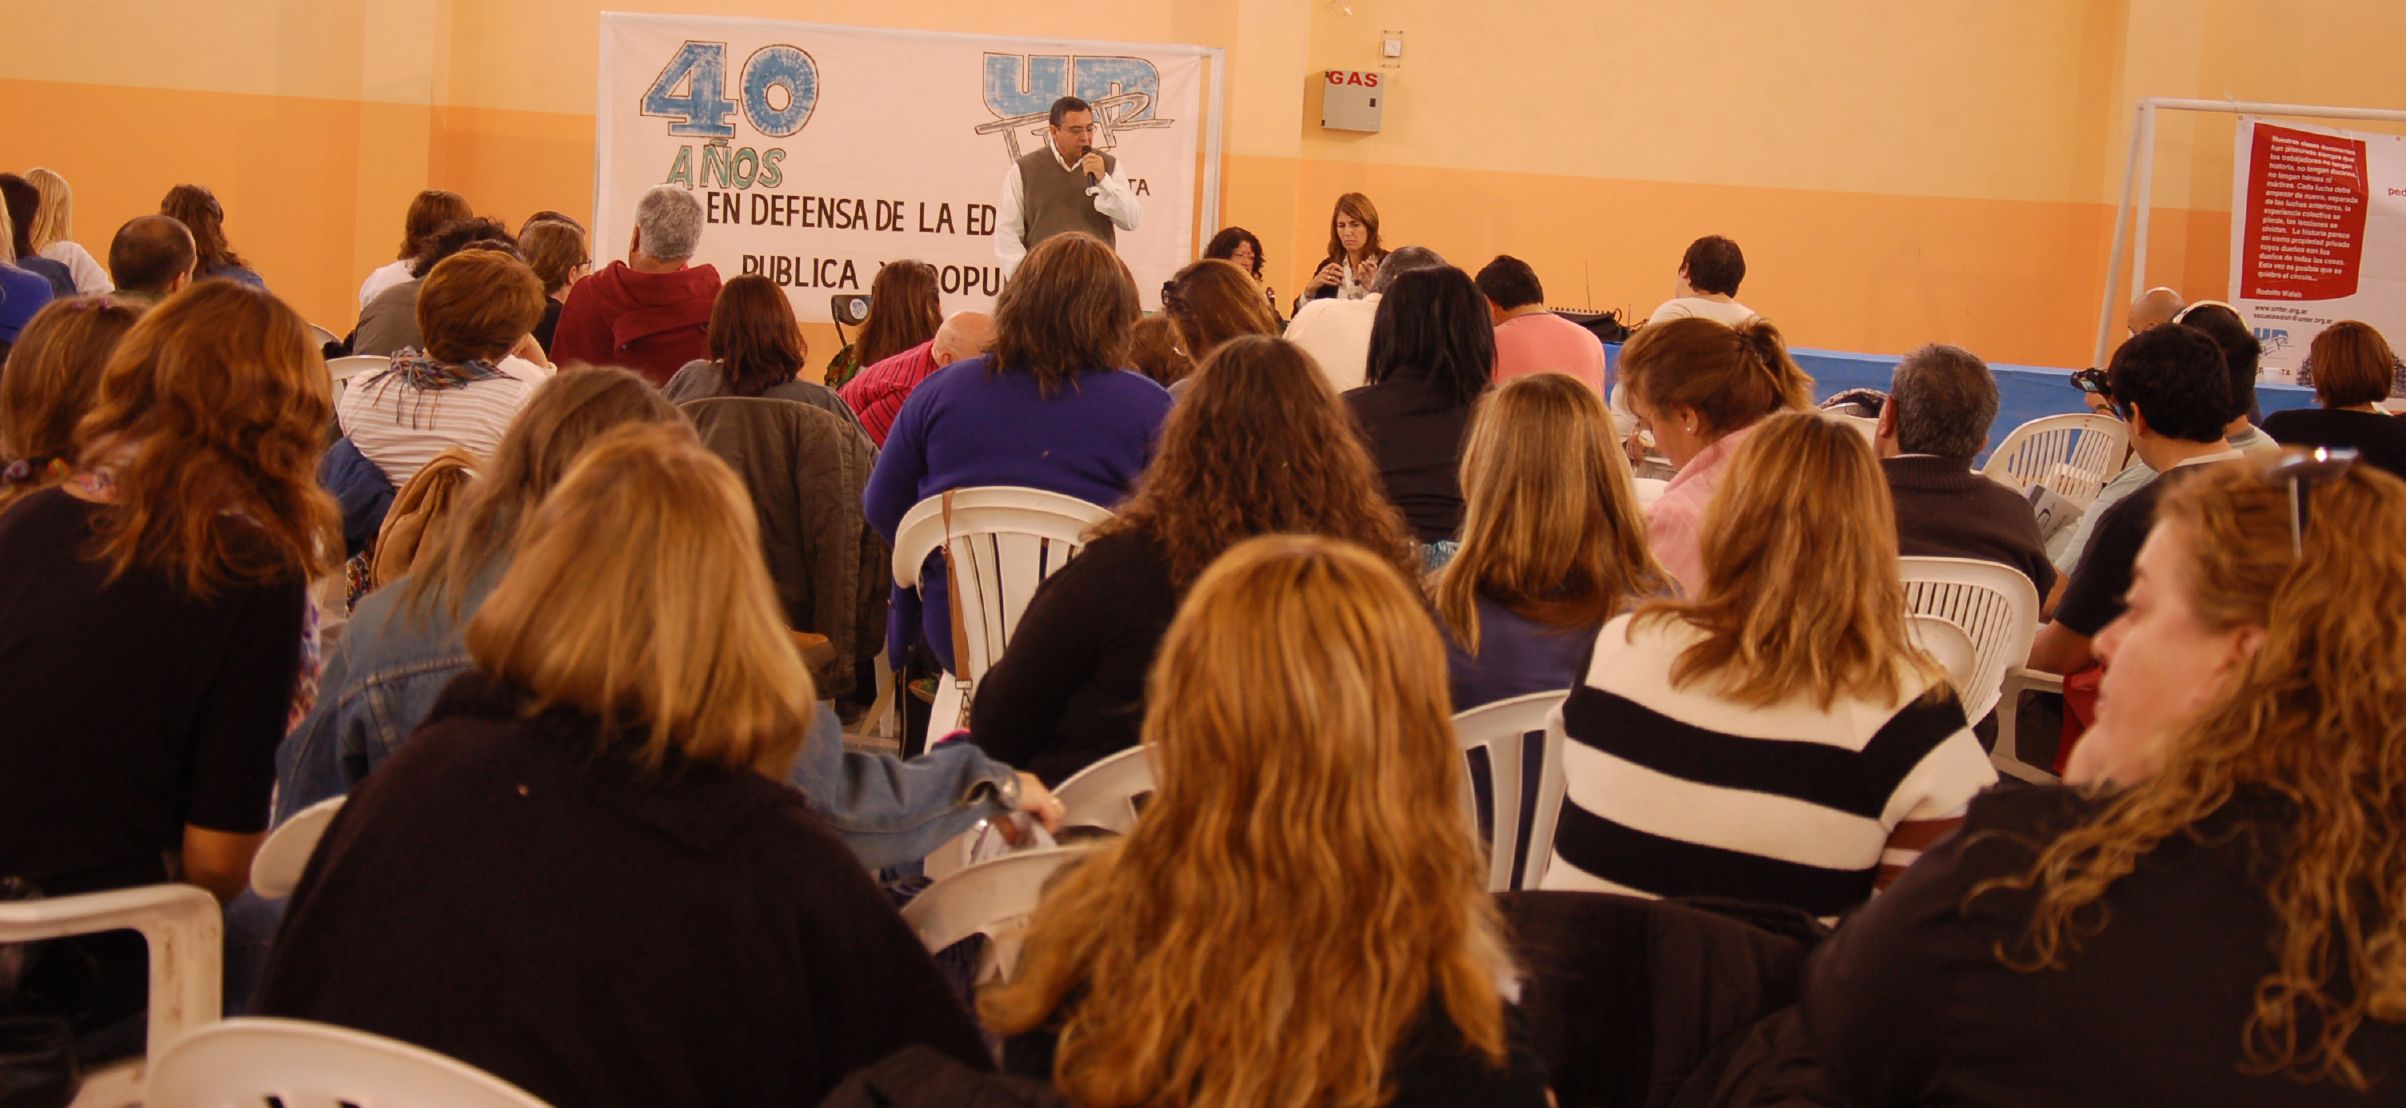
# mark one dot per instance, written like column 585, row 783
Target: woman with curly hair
column 175, row 556
column 2214, row 910
column 1260, row 446
column 1301, row 916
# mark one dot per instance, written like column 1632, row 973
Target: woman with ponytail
column 1698, row 386
column 2212, row 910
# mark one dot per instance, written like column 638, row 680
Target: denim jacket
column 384, row 673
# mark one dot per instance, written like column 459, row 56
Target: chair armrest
column 182, row 926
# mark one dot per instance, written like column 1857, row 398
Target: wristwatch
column 1006, row 792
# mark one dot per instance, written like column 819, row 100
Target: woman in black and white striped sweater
column 1777, row 738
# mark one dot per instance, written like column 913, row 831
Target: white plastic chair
column 276, row 869
column 1501, row 729
column 185, row 933
column 1947, row 641
column 257, row 1063
column 322, row 336
column 357, row 365
column 1005, row 541
column 2008, row 758
column 1105, row 795
column 1996, row 607
column 995, row 899
column 2072, row 455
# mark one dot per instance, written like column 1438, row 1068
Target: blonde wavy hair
column 1551, row 528
column 1301, row 886
column 640, row 598
column 2316, row 717
column 1801, row 596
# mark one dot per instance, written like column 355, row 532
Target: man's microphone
column 1091, row 177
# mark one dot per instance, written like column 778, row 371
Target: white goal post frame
column 2138, row 185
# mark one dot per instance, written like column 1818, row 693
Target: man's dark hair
column 1066, row 105
column 2241, row 353
column 2175, row 376
column 1944, row 398
column 460, row 234
column 1508, row 283
column 149, row 252
column 1433, row 324
column 1714, row 265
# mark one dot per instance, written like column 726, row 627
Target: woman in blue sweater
column 1050, row 408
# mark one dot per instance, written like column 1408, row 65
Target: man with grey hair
column 1940, row 403
column 1336, row 331
column 651, row 312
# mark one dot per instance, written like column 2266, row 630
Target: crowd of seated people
column 611, row 827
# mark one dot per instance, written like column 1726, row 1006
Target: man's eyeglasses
column 2302, row 470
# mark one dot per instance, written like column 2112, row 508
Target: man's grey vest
column 1053, row 200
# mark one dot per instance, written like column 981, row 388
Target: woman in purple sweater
column 1047, row 409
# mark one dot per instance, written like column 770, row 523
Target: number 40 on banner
column 701, row 110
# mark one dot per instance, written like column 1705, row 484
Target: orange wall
column 1897, row 173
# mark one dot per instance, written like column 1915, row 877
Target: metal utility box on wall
column 1349, row 101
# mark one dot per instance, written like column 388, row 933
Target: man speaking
column 1065, row 186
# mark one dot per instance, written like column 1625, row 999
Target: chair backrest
column 1106, row 794
column 1994, row 605
column 357, row 365
column 2072, row 455
column 1004, row 541
column 1502, row 731
column 1947, row 641
column 323, row 336
column 279, row 1063
column 180, row 924
column 995, row 899
column 276, row 869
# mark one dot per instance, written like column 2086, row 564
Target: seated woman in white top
column 1778, row 738
column 473, row 308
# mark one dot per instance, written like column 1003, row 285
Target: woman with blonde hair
column 1552, row 542
column 1777, row 737
column 406, row 642
column 1212, row 302
column 1341, row 951
column 52, row 379
column 153, row 615
column 52, row 233
column 1260, row 446
column 1697, row 386
column 604, row 799
column 2220, row 887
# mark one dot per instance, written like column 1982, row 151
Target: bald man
column 151, row 258
column 2153, row 308
column 877, row 392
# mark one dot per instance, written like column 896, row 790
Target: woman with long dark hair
column 756, row 349
column 1260, row 446
column 904, row 311
column 198, row 210
column 1432, row 351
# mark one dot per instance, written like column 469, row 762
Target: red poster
column 2305, row 212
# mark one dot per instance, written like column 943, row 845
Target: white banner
column 2318, row 235
column 821, row 152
